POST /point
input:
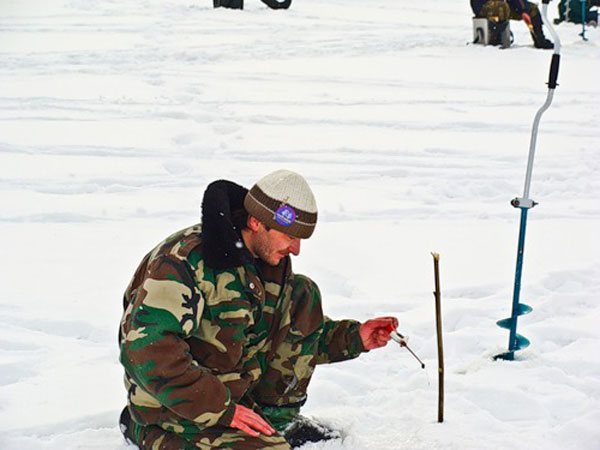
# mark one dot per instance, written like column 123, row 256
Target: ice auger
column 515, row 340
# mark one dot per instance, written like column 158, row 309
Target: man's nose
column 294, row 247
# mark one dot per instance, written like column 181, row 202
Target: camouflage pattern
column 197, row 341
column 500, row 11
column 153, row 437
column 496, row 11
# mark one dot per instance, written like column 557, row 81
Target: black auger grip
column 553, row 72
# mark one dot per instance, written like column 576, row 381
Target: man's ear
column 253, row 223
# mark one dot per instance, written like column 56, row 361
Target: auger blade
column 505, row 323
column 520, row 310
column 521, row 343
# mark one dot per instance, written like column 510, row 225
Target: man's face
column 272, row 245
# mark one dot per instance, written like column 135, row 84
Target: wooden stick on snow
column 438, row 316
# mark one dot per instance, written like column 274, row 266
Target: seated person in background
column 501, row 11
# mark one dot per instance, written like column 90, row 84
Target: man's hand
column 247, row 420
column 375, row 333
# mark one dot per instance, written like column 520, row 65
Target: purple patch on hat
column 285, row 216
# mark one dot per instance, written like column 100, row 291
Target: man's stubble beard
column 264, row 250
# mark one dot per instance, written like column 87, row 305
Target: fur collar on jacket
column 222, row 243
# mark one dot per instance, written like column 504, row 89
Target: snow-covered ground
column 115, row 114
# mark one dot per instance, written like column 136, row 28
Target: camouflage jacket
column 518, row 6
column 202, row 321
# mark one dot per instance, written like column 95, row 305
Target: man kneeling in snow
column 219, row 338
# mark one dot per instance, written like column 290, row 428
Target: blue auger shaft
column 512, row 338
column 515, row 340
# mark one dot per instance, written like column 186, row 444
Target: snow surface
column 115, row 114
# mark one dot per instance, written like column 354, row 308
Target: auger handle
column 553, row 77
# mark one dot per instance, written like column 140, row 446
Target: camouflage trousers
column 499, row 11
column 278, row 394
column 155, row 438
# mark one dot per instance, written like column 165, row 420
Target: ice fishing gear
column 583, row 10
column 578, row 11
column 438, row 320
column 492, row 32
column 397, row 337
column 516, row 341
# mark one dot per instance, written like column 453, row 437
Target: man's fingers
column 384, row 334
column 383, row 341
column 257, row 423
column 248, row 421
column 375, row 333
column 249, row 430
column 387, row 322
column 386, row 319
column 263, row 426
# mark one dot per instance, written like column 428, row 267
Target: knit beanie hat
column 283, row 200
